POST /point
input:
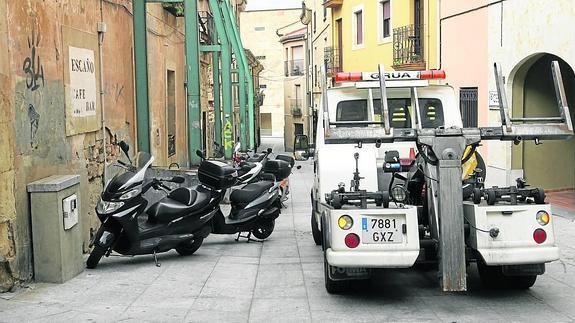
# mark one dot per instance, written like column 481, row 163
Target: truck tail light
column 543, row 218
column 345, row 222
column 539, row 235
column 352, row 240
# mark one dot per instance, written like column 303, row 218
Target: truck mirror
column 301, row 147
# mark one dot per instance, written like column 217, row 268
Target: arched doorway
column 552, row 164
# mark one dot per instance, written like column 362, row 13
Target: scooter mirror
column 178, row 179
column 200, row 154
column 124, row 146
column 269, row 150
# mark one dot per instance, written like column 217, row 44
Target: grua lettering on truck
column 398, row 181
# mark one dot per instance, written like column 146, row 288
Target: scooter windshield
column 143, row 161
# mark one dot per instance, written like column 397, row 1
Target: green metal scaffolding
column 227, row 40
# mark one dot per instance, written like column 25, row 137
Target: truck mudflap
column 511, row 234
column 372, row 238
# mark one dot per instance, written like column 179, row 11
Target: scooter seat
column 179, row 202
column 256, row 158
column 250, row 192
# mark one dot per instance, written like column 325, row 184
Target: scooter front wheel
column 264, row 229
column 189, row 247
column 95, row 257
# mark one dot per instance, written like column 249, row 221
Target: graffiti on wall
column 32, row 65
column 34, row 72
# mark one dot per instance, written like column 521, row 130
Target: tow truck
column 416, row 189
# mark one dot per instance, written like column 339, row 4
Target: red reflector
column 411, row 153
column 539, row 236
column 352, row 240
column 346, row 77
column 432, row 74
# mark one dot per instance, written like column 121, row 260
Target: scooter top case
column 279, row 168
column 217, row 175
column 286, row 158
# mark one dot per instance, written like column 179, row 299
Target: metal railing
column 331, row 61
column 296, row 107
column 408, row 45
column 294, row 67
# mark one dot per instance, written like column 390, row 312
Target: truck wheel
column 492, row 277
column 336, row 202
column 189, row 247
column 476, row 196
column 491, row 197
column 95, row 257
column 315, row 231
column 334, row 286
column 539, row 196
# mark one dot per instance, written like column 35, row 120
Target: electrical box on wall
column 70, row 211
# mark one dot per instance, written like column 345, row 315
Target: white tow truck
column 416, row 192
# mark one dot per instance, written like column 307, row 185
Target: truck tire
column 334, row 286
column 492, row 277
column 315, row 231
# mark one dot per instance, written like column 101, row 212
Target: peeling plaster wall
column 33, row 141
column 7, row 202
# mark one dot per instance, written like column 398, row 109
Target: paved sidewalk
column 281, row 280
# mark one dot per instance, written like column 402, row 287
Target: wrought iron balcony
column 331, row 60
column 296, row 107
column 294, row 67
column 408, row 53
column 296, row 112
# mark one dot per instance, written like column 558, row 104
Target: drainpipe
column 141, row 73
column 193, row 80
column 102, row 28
column 217, row 102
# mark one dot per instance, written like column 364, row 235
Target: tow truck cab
column 355, row 239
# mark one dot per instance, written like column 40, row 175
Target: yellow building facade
column 401, row 34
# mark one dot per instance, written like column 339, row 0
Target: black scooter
column 254, row 207
column 181, row 220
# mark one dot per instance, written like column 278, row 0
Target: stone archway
column 551, row 165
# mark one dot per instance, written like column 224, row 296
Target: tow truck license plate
column 382, row 229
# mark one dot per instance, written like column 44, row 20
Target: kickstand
column 248, row 237
column 156, row 260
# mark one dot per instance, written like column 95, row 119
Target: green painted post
column 228, row 13
column 193, row 77
column 243, row 70
column 251, row 109
column 217, row 105
column 226, row 75
column 229, row 25
column 141, row 62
